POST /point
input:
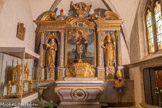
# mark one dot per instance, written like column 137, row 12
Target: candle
column 61, row 10
column 99, row 9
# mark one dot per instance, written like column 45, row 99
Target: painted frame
column 21, row 31
column 89, row 56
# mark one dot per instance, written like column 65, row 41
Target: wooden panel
column 158, row 78
column 147, row 86
column 153, row 85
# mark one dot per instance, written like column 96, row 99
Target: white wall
column 135, row 75
column 127, row 11
column 40, row 6
column 14, row 12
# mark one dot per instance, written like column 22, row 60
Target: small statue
column 51, row 48
column 119, row 81
column 18, row 88
column 119, row 74
column 26, row 72
column 9, row 86
column 30, row 85
column 109, row 50
column 81, row 8
column 23, row 87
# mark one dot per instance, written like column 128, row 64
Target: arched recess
column 141, row 29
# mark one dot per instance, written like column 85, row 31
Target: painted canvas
column 81, row 45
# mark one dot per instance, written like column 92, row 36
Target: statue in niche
column 81, row 46
column 109, row 49
column 51, row 48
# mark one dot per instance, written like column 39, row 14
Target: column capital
column 118, row 32
column 62, row 31
column 42, row 32
column 98, row 30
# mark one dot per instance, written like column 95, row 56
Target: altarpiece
column 80, row 52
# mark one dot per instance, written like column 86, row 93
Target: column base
column 110, row 72
column 41, row 74
column 60, row 73
column 50, row 74
column 101, row 73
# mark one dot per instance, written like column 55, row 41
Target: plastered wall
column 14, row 12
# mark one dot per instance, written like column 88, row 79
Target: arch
column 142, row 31
column 87, row 22
column 111, row 15
column 52, row 36
column 48, row 16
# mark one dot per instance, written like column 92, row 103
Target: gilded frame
column 80, row 28
column 21, row 31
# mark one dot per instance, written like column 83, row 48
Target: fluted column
column 41, row 49
column 41, row 62
column 100, row 65
column 61, row 69
column 61, row 51
column 119, row 59
column 119, row 55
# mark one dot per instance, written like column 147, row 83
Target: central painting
column 81, row 45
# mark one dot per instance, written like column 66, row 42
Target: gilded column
column 61, row 56
column 100, row 65
column 61, row 69
column 119, row 71
column 119, row 75
column 41, row 49
column 119, row 61
column 41, row 62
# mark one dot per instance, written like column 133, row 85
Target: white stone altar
column 78, row 91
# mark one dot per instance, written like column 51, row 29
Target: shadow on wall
column 2, row 2
column 134, row 42
column 8, row 74
column 49, row 94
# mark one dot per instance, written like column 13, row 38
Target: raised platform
column 18, row 101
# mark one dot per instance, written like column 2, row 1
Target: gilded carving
column 17, row 71
column 119, row 81
column 80, row 69
column 51, row 48
column 18, row 88
column 9, row 86
column 81, row 22
column 109, row 49
column 30, row 86
column 81, row 8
